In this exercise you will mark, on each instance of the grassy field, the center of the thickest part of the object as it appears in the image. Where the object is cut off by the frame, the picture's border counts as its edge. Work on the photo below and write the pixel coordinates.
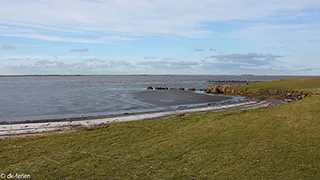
(280, 142)
(294, 83)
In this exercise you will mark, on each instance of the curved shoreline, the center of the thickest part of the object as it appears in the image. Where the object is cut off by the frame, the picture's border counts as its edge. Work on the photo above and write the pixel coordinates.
(71, 124)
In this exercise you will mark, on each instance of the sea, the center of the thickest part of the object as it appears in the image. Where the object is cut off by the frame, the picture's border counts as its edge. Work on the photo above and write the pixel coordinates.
(25, 98)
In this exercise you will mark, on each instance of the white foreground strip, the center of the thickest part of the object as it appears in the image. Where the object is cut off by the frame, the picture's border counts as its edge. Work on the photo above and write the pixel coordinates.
(42, 127)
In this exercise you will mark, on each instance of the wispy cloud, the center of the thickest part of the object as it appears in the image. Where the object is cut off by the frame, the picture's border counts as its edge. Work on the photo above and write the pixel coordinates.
(91, 66)
(166, 59)
(198, 50)
(8, 47)
(107, 21)
(150, 57)
(248, 60)
(55, 38)
(80, 50)
(237, 63)
(169, 64)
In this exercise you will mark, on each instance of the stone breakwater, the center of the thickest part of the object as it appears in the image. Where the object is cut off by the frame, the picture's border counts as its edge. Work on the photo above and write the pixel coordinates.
(283, 94)
(173, 89)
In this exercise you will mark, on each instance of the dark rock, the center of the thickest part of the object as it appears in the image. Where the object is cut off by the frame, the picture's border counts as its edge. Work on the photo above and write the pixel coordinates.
(215, 90)
(150, 88)
(162, 88)
(191, 89)
(181, 89)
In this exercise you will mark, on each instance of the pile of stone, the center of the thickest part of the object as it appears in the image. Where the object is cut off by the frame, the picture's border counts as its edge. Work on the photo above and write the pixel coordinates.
(220, 89)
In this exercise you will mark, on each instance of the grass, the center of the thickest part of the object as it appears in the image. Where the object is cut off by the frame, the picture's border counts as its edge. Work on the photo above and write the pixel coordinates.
(280, 142)
(291, 84)
(280, 89)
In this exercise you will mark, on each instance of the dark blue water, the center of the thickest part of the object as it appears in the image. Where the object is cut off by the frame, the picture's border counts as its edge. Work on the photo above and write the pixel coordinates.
(55, 97)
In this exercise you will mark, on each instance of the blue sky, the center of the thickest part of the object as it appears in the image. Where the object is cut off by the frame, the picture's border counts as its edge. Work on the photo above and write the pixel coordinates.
(272, 37)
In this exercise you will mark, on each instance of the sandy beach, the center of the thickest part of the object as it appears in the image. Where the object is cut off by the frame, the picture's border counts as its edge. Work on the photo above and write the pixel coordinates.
(64, 125)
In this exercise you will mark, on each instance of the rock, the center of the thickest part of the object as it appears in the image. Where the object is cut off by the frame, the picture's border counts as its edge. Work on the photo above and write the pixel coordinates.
(215, 90)
(225, 88)
(181, 89)
(150, 88)
(191, 89)
(173, 89)
(207, 90)
(161, 88)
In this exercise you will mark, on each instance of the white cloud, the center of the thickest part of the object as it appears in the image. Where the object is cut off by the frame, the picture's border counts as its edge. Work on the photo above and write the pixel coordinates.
(54, 38)
(8, 47)
(248, 60)
(80, 50)
(169, 64)
(279, 33)
(123, 20)
(252, 63)
(198, 50)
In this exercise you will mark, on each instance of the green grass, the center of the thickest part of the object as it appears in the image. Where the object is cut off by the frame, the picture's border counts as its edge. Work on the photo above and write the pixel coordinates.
(291, 84)
(279, 89)
(281, 142)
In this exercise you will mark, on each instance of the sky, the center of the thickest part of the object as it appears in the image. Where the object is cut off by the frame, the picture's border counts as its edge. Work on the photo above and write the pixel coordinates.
(270, 37)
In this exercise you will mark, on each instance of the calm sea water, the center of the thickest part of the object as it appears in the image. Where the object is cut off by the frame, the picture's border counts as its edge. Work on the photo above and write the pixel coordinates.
(55, 97)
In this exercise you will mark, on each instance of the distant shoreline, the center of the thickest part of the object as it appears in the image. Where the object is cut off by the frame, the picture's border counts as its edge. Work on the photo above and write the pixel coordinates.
(72, 75)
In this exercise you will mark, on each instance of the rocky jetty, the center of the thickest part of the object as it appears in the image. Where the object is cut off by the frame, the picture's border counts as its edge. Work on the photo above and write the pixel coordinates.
(177, 89)
(192, 89)
(219, 89)
(285, 95)
(172, 89)
(161, 88)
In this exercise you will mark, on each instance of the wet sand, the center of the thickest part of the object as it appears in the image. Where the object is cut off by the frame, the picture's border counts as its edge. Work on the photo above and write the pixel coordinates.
(174, 98)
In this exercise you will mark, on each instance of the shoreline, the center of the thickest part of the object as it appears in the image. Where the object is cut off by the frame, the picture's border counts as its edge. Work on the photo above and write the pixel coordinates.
(232, 100)
(68, 124)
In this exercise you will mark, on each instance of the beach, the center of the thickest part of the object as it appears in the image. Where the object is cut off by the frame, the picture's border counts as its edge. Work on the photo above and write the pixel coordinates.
(70, 124)
(68, 101)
